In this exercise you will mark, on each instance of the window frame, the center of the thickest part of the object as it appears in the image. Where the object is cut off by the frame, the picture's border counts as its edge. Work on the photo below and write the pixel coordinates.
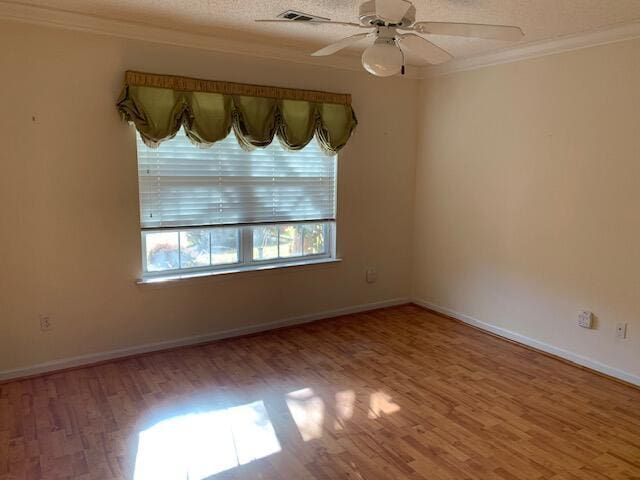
(245, 251)
(244, 243)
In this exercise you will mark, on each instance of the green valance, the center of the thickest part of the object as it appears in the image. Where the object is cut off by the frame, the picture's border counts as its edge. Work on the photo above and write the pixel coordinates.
(159, 105)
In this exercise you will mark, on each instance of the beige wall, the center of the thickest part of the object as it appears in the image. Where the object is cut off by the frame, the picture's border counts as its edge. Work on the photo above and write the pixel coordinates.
(528, 198)
(69, 201)
(527, 181)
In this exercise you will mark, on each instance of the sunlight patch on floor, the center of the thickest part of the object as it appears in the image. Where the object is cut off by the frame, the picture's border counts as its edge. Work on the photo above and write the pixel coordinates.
(198, 445)
(381, 404)
(307, 410)
(344, 407)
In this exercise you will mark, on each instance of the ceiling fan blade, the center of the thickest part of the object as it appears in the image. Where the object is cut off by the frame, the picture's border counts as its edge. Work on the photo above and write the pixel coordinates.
(313, 22)
(422, 47)
(490, 32)
(339, 45)
(392, 11)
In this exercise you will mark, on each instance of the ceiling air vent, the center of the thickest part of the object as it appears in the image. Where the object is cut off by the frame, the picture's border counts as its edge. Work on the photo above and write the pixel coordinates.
(300, 17)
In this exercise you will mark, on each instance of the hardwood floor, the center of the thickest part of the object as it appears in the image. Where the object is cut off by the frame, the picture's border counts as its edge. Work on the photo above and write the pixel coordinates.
(397, 393)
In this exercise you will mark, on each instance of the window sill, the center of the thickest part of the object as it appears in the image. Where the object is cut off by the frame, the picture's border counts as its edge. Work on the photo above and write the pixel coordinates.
(168, 279)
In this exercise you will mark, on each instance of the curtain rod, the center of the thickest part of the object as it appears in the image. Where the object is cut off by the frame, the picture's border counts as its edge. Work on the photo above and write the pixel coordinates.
(189, 84)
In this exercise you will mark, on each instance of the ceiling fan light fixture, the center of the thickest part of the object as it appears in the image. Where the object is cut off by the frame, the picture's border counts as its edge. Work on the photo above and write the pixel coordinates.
(383, 58)
(392, 23)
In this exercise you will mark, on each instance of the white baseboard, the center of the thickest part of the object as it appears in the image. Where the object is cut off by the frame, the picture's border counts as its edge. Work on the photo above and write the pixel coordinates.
(93, 358)
(538, 345)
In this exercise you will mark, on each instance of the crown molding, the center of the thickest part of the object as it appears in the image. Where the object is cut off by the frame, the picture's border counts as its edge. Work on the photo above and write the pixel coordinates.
(55, 18)
(592, 38)
(50, 17)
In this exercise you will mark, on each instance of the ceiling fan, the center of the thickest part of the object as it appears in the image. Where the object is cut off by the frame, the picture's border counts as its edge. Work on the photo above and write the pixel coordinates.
(391, 25)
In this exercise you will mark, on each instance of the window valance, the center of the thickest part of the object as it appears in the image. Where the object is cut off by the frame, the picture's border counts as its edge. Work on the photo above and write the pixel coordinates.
(159, 105)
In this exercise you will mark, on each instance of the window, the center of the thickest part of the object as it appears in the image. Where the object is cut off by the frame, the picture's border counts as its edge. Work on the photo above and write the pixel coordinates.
(221, 208)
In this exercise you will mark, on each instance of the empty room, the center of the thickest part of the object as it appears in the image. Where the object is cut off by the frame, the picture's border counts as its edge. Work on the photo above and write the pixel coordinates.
(320, 240)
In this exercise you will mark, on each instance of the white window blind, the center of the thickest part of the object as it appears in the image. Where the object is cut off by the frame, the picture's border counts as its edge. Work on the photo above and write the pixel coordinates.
(182, 185)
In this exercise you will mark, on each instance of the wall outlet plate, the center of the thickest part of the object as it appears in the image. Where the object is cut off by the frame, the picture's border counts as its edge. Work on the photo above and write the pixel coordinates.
(45, 322)
(372, 275)
(585, 319)
(621, 330)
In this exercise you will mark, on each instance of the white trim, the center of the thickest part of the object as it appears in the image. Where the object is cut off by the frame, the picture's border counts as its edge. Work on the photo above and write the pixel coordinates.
(592, 38)
(242, 268)
(197, 339)
(52, 17)
(538, 345)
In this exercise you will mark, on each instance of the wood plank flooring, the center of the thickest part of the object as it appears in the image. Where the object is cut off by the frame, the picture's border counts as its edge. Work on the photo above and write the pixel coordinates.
(398, 393)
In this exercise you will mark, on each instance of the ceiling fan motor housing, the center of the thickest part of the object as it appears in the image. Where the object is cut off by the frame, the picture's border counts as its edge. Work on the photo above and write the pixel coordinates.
(368, 15)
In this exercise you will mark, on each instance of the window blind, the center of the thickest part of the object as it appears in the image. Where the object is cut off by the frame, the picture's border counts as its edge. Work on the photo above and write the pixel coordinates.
(182, 185)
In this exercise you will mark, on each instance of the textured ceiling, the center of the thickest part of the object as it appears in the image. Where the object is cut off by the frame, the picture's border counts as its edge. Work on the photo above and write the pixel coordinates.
(540, 19)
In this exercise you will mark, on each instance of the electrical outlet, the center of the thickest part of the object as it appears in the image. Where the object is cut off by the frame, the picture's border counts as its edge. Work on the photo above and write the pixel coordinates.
(372, 275)
(621, 330)
(585, 319)
(45, 323)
